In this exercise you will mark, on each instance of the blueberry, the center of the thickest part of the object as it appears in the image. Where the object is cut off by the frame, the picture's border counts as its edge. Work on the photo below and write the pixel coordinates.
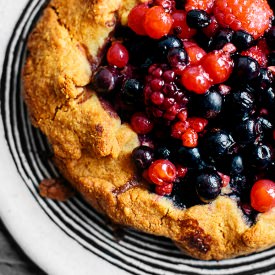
(105, 79)
(246, 131)
(237, 165)
(216, 144)
(132, 91)
(264, 123)
(197, 19)
(163, 152)
(165, 44)
(140, 49)
(238, 184)
(245, 69)
(208, 105)
(190, 157)
(259, 156)
(242, 40)
(221, 38)
(143, 156)
(270, 38)
(240, 103)
(267, 98)
(264, 80)
(177, 56)
(271, 59)
(208, 185)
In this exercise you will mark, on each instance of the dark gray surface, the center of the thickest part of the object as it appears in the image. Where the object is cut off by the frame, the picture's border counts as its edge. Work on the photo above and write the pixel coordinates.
(13, 261)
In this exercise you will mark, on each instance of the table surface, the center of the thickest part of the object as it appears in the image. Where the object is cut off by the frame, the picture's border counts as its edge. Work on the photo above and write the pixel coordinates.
(13, 261)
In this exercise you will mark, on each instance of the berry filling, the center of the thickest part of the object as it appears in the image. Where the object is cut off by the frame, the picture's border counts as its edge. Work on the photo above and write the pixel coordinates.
(196, 82)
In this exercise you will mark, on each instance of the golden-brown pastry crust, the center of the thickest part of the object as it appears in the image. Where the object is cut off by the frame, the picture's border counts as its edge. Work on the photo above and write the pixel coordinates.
(92, 148)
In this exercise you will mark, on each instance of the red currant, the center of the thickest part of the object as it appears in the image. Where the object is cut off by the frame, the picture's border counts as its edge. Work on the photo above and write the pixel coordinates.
(162, 171)
(136, 19)
(262, 195)
(163, 190)
(157, 22)
(181, 171)
(117, 55)
(195, 79)
(190, 138)
(141, 124)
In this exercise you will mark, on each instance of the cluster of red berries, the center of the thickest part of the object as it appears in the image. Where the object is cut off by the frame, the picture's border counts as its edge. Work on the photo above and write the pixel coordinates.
(163, 173)
(212, 68)
(188, 129)
(168, 83)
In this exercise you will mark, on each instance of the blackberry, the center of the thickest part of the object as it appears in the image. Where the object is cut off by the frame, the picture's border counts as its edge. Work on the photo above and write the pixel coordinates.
(163, 97)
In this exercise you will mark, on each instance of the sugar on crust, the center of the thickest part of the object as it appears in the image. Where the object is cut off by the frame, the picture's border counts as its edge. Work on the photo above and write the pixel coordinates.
(92, 148)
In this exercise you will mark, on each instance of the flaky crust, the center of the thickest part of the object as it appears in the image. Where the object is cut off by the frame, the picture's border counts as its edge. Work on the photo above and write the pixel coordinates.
(92, 148)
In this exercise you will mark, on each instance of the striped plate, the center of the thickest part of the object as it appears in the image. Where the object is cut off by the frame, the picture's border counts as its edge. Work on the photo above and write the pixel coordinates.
(71, 238)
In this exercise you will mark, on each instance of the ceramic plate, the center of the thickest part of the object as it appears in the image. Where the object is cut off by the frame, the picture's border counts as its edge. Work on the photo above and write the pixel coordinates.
(71, 238)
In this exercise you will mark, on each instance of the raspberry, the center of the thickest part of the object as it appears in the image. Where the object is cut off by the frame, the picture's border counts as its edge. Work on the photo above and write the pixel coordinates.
(136, 19)
(157, 22)
(117, 55)
(190, 138)
(168, 5)
(179, 128)
(196, 79)
(180, 27)
(194, 52)
(197, 123)
(163, 98)
(206, 5)
(251, 16)
(212, 29)
(218, 65)
(258, 53)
